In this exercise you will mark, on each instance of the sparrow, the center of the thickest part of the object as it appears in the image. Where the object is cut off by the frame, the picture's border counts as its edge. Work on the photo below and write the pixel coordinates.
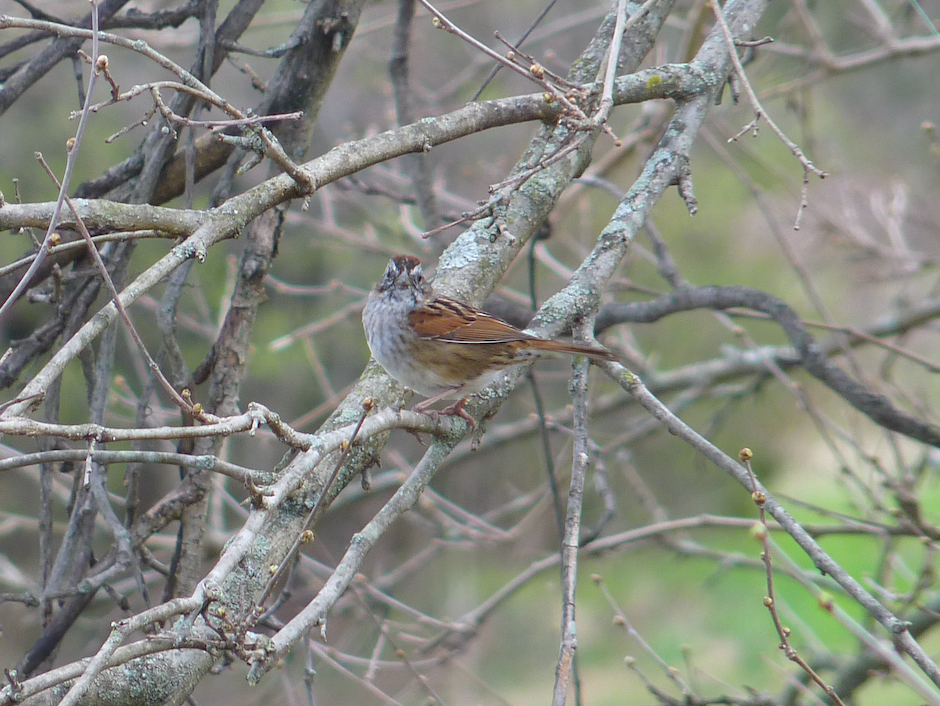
(442, 348)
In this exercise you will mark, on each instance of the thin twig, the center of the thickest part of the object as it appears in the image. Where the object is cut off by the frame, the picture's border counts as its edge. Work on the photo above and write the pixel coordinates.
(895, 626)
(204, 462)
(770, 601)
(65, 247)
(571, 541)
(305, 536)
(73, 149)
(184, 404)
(535, 72)
(755, 102)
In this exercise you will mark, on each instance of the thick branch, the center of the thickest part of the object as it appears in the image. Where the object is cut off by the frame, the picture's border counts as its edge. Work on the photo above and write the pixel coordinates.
(875, 406)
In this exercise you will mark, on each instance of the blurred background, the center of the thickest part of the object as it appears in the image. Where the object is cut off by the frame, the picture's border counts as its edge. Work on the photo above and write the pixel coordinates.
(844, 79)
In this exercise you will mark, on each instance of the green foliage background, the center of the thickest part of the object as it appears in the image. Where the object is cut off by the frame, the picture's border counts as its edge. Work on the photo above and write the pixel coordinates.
(703, 616)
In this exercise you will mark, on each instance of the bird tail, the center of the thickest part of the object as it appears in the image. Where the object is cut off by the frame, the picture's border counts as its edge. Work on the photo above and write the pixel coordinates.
(575, 349)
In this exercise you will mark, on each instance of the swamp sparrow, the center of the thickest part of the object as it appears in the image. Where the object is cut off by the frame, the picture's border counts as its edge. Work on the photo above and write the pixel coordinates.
(441, 347)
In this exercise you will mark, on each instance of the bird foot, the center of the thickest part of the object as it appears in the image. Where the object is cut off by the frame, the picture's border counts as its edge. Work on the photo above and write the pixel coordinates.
(457, 409)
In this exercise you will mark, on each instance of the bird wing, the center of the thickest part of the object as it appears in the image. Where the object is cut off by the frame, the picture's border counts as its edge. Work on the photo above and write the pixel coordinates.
(444, 319)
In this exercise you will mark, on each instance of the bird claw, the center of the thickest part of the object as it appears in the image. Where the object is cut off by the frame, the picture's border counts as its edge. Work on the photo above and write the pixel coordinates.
(457, 409)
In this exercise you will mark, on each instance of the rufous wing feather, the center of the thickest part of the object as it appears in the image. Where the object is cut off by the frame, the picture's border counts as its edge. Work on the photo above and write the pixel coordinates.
(448, 320)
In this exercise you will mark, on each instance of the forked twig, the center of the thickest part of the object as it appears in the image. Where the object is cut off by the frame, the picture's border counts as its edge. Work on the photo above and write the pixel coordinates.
(184, 404)
(305, 536)
(759, 111)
